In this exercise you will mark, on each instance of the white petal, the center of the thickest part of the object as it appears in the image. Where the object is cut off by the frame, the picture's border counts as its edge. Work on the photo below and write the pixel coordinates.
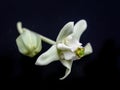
(21, 46)
(48, 57)
(68, 55)
(68, 65)
(88, 49)
(29, 39)
(65, 31)
(79, 28)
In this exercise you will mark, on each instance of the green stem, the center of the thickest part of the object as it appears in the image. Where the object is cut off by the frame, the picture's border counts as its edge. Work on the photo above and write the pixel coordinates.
(19, 27)
(47, 40)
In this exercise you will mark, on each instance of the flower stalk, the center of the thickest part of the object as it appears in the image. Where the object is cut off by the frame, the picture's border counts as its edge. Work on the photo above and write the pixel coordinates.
(47, 40)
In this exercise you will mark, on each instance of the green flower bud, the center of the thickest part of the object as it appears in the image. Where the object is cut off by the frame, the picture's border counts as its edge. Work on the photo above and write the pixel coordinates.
(29, 43)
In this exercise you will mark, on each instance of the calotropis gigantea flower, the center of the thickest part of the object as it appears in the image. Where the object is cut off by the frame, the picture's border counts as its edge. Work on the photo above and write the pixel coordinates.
(67, 47)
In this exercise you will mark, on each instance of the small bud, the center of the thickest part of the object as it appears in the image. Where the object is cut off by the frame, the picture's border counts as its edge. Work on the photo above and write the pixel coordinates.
(29, 43)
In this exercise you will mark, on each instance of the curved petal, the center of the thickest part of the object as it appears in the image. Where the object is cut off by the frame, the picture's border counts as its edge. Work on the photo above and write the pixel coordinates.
(68, 55)
(65, 31)
(88, 49)
(79, 28)
(21, 47)
(29, 39)
(68, 65)
(48, 57)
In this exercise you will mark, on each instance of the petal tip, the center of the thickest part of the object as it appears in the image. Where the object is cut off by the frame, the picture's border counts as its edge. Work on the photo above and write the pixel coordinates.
(40, 62)
(83, 22)
(88, 49)
(36, 63)
(61, 78)
(70, 24)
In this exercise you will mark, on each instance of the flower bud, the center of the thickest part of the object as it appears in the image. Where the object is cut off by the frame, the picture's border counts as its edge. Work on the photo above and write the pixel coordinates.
(29, 43)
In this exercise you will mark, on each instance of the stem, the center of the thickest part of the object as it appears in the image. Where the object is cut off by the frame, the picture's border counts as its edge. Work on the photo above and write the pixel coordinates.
(47, 40)
(21, 30)
(19, 27)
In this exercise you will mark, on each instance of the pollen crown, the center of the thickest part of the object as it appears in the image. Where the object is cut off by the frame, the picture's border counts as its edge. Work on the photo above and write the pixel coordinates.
(80, 52)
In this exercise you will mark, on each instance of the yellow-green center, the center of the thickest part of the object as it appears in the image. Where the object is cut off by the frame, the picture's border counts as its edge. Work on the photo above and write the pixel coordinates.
(80, 52)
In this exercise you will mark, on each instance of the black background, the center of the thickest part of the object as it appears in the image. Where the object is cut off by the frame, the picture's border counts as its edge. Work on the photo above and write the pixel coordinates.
(47, 17)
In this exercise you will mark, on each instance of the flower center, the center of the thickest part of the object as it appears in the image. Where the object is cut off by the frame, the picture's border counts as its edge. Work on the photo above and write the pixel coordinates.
(80, 52)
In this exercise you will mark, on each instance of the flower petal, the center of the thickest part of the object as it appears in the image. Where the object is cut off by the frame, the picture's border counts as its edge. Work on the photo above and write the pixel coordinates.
(21, 46)
(68, 55)
(88, 49)
(68, 65)
(29, 38)
(79, 28)
(65, 31)
(48, 57)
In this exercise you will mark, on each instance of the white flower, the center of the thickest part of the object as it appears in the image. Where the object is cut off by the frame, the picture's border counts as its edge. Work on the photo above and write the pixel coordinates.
(67, 47)
(28, 42)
